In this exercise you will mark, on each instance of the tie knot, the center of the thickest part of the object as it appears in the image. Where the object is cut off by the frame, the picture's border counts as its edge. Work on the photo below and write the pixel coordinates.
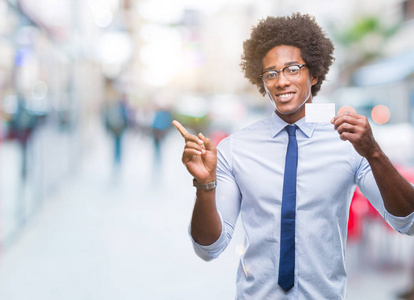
(291, 129)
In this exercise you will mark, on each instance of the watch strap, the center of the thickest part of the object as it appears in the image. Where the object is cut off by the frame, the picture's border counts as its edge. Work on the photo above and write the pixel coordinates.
(205, 186)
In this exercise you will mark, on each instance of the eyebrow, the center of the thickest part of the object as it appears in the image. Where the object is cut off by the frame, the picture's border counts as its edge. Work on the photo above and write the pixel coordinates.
(286, 64)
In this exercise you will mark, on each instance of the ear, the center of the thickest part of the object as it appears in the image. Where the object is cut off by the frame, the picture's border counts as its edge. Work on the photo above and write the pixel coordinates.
(314, 80)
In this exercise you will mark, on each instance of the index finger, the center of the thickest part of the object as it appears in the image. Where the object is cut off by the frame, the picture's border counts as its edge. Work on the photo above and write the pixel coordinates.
(180, 128)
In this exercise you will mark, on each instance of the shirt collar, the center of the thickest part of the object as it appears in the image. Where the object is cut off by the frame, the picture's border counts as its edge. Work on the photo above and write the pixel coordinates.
(277, 125)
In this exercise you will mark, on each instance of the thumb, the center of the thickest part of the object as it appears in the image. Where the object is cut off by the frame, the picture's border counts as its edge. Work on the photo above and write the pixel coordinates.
(207, 142)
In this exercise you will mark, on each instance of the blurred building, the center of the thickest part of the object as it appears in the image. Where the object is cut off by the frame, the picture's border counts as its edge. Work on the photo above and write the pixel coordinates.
(381, 73)
(51, 83)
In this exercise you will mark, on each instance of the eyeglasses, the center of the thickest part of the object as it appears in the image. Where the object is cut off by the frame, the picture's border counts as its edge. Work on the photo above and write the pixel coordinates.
(291, 73)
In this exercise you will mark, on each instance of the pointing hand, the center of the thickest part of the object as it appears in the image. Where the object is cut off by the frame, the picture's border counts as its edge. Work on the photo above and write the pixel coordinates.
(199, 156)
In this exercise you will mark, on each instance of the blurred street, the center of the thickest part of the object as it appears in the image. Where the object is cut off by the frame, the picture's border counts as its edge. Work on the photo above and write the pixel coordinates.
(122, 234)
(94, 200)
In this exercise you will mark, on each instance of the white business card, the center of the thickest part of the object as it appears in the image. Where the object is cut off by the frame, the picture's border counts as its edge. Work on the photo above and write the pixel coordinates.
(319, 112)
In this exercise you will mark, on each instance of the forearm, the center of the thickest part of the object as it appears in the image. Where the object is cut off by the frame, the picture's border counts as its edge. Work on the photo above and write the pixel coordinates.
(205, 223)
(397, 193)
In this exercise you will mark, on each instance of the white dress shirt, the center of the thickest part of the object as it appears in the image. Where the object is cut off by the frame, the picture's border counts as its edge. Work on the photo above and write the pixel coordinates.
(250, 171)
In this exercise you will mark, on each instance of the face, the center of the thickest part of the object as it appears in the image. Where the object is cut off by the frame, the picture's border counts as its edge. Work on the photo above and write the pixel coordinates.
(289, 96)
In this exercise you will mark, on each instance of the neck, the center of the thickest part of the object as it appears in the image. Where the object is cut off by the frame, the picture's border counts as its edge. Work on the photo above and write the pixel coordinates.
(290, 118)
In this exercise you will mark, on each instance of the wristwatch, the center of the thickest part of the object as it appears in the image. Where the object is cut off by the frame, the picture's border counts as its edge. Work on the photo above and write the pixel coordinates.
(205, 186)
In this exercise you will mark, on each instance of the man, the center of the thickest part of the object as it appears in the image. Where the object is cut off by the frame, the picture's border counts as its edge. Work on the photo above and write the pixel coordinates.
(291, 181)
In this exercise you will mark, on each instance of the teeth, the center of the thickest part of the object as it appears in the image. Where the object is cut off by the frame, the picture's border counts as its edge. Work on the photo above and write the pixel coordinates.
(285, 95)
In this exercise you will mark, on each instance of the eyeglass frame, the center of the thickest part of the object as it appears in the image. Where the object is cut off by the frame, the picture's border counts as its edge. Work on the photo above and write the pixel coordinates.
(282, 71)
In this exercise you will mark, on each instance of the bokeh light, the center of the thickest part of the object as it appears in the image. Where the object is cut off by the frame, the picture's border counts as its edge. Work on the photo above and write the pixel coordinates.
(346, 108)
(380, 114)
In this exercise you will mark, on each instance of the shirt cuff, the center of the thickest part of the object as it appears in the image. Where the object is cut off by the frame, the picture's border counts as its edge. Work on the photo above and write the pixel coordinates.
(404, 225)
(212, 251)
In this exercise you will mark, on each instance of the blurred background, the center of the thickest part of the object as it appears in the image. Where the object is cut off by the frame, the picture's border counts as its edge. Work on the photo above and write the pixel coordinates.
(94, 200)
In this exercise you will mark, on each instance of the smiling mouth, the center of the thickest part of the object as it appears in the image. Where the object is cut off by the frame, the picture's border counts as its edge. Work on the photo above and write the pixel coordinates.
(285, 96)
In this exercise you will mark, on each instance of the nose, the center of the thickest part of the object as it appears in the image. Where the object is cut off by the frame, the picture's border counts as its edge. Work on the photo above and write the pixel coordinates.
(283, 81)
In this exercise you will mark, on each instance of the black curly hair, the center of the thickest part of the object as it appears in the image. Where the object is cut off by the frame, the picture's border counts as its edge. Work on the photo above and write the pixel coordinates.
(298, 30)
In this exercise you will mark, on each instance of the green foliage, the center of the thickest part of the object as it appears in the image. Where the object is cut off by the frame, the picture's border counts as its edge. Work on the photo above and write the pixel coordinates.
(364, 26)
(362, 40)
(197, 124)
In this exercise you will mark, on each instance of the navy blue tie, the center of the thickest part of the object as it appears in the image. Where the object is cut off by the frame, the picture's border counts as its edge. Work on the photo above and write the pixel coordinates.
(287, 231)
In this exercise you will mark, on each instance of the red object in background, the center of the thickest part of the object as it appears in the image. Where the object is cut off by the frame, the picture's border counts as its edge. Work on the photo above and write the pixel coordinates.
(217, 135)
(357, 212)
(361, 208)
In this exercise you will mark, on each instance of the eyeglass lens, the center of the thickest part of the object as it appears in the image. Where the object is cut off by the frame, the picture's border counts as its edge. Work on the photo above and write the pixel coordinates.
(290, 72)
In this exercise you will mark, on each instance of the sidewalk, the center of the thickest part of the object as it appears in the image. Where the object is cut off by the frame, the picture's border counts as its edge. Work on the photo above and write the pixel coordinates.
(123, 235)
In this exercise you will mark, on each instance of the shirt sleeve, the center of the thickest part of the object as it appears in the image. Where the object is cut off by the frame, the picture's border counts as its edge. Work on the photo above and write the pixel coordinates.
(368, 186)
(228, 200)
